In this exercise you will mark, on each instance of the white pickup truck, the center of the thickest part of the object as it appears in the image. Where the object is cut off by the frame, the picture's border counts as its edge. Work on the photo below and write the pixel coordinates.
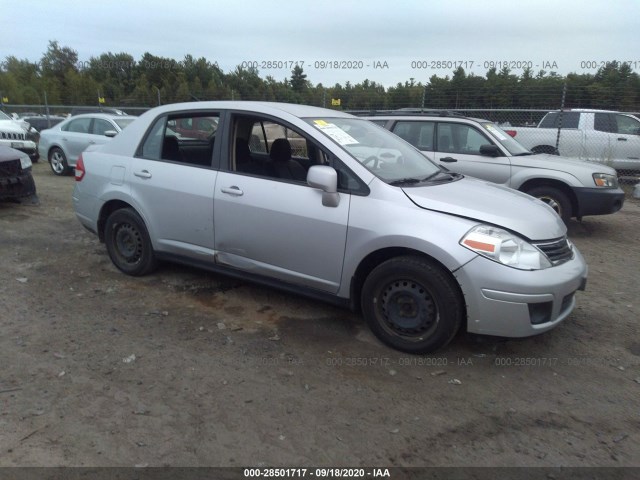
(602, 136)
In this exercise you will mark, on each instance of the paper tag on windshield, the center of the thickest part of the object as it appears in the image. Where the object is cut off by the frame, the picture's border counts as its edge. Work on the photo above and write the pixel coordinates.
(336, 133)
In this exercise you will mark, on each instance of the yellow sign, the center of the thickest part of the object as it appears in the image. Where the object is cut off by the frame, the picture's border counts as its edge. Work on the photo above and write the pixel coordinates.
(5, 99)
(100, 99)
(335, 102)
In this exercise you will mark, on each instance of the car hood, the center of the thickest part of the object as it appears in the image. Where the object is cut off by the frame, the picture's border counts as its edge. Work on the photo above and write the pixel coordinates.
(557, 162)
(11, 126)
(491, 203)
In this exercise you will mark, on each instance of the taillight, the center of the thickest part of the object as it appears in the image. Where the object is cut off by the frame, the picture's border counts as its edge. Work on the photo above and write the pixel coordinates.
(513, 133)
(80, 169)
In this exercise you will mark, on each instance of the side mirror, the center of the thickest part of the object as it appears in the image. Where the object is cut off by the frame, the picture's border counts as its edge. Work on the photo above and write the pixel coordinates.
(110, 133)
(326, 179)
(490, 150)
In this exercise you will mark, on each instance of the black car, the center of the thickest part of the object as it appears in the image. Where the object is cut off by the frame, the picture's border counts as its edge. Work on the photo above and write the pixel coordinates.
(39, 123)
(16, 180)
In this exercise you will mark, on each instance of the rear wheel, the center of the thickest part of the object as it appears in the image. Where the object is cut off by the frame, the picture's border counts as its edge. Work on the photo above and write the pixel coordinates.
(58, 162)
(412, 304)
(128, 243)
(555, 198)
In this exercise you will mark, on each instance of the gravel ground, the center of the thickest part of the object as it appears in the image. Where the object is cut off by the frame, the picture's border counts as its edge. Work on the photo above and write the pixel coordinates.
(185, 368)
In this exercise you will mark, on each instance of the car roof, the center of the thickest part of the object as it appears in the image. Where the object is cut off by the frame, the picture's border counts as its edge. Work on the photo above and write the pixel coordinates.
(275, 108)
(106, 116)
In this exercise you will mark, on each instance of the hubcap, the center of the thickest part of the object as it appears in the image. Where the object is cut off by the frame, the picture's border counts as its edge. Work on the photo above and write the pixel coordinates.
(128, 243)
(552, 203)
(57, 162)
(408, 309)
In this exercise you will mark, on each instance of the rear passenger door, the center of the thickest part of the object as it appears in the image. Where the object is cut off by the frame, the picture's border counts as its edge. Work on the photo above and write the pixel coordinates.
(172, 180)
(274, 226)
(76, 137)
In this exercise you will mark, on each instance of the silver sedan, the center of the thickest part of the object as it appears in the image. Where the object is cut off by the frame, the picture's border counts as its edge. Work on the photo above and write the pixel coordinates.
(63, 143)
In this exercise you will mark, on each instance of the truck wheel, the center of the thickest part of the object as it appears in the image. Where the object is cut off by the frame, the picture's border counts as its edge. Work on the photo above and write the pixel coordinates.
(412, 305)
(58, 162)
(555, 198)
(128, 243)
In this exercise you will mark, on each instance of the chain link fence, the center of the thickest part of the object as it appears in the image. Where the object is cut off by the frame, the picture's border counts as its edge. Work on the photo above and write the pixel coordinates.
(611, 138)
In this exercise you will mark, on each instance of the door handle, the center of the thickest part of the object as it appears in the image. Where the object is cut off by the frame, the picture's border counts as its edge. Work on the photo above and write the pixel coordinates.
(142, 174)
(233, 191)
(622, 139)
(448, 159)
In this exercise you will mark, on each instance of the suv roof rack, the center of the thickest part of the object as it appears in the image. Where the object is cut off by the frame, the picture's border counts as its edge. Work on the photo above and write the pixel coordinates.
(408, 112)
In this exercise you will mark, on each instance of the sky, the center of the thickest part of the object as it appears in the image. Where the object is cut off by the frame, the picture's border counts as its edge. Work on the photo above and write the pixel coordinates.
(336, 41)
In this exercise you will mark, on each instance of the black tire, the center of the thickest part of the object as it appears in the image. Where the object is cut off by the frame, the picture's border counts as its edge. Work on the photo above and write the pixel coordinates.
(128, 243)
(556, 199)
(58, 162)
(412, 304)
(545, 149)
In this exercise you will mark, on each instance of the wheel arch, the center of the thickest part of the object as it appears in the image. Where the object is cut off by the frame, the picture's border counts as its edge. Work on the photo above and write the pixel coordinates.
(375, 258)
(107, 209)
(550, 182)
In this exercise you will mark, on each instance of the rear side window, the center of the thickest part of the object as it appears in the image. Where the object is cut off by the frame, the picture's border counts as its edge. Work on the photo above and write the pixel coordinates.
(569, 120)
(186, 138)
(80, 125)
(418, 134)
(602, 122)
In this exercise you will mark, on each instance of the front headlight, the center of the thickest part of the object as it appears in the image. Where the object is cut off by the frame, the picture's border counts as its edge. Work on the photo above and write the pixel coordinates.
(25, 162)
(504, 247)
(605, 180)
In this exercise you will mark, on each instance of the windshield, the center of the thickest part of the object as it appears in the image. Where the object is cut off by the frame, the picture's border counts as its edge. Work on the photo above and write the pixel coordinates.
(4, 116)
(123, 122)
(504, 139)
(383, 153)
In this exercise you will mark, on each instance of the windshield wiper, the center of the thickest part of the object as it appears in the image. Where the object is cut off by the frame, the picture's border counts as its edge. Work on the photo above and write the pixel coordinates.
(524, 154)
(404, 180)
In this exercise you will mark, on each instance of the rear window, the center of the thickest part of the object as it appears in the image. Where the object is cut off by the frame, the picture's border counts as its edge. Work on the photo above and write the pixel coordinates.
(552, 119)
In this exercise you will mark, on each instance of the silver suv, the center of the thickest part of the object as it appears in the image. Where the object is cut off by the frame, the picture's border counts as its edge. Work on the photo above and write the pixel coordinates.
(353, 215)
(479, 148)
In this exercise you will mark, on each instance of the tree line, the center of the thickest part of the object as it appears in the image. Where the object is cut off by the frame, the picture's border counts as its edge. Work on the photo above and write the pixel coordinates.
(122, 81)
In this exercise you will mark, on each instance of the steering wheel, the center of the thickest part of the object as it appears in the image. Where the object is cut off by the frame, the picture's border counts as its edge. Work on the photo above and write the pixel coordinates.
(372, 159)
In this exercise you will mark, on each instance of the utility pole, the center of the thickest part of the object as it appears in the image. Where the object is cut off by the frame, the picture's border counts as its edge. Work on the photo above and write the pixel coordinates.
(564, 93)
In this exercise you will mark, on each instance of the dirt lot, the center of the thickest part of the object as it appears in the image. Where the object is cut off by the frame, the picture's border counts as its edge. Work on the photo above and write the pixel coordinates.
(185, 368)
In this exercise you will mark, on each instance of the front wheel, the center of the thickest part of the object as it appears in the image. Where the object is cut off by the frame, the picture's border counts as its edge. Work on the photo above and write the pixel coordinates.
(412, 304)
(128, 243)
(556, 199)
(58, 162)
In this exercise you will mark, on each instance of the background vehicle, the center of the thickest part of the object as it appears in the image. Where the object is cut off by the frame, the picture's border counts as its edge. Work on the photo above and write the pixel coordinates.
(106, 110)
(37, 123)
(16, 180)
(479, 148)
(62, 144)
(421, 251)
(13, 134)
(609, 137)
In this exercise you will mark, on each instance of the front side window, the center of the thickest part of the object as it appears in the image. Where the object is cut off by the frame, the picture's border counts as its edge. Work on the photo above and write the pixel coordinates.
(380, 151)
(100, 126)
(627, 125)
(460, 138)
